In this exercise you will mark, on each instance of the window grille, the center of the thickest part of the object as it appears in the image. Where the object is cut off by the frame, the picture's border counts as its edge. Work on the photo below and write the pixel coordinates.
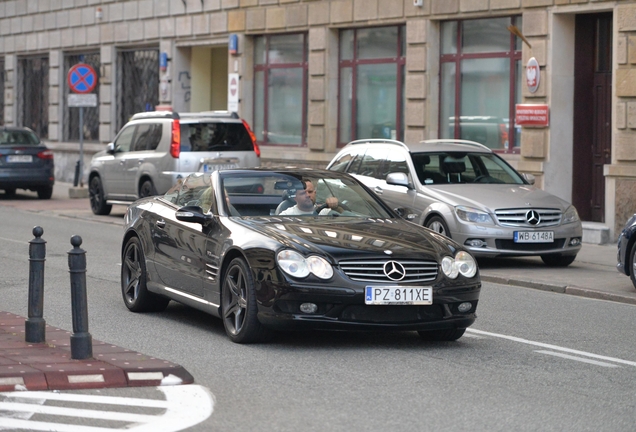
(33, 94)
(137, 83)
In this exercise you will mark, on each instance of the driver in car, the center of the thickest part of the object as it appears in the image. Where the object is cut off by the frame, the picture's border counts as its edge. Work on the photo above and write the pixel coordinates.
(306, 202)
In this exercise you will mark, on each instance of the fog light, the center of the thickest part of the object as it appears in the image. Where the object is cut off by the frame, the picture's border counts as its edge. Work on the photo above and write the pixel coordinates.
(575, 241)
(464, 307)
(475, 242)
(310, 308)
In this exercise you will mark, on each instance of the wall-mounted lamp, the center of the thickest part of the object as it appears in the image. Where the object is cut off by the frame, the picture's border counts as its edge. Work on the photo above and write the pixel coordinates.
(99, 14)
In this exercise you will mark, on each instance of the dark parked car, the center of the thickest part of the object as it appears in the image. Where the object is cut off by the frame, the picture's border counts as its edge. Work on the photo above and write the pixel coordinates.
(627, 250)
(25, 162)
(215, 243)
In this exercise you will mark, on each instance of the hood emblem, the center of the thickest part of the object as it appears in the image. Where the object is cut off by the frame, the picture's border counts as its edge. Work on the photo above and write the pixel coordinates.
(394, 270)
(533, 217)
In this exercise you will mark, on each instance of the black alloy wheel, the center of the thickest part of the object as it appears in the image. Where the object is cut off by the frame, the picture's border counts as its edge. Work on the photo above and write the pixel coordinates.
(238, 305)
(45, 192)
(147, 189)
(632, 264)
(96, 197)
(438, 225)
(442, 335)
(136, 296)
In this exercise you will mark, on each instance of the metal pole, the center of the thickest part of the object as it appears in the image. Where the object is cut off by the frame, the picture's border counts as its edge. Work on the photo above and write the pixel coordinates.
(81, 138)
(35, 325)
(81, 339)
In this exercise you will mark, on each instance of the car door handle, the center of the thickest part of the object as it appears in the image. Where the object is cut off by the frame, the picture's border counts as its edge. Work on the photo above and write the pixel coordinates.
(378, 190)
(160, 223)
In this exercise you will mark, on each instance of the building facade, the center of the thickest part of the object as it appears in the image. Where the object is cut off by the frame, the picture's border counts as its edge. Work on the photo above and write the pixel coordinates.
(311, 75)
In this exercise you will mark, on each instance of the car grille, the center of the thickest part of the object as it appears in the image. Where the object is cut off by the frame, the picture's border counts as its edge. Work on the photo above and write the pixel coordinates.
(391, 314)
(511, 245)
(520, 217)
(373, 271)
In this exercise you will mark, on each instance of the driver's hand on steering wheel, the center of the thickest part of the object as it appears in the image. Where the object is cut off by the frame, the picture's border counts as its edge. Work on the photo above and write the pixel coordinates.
(332, 203)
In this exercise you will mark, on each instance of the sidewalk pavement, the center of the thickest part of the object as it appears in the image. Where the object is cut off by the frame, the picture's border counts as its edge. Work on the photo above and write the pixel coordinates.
(49, 365)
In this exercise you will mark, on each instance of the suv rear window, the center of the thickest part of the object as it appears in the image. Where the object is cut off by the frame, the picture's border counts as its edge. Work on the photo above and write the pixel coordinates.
(205, 137)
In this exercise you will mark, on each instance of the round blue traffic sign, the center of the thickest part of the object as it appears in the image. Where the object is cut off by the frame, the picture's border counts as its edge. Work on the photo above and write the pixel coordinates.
(82, 78)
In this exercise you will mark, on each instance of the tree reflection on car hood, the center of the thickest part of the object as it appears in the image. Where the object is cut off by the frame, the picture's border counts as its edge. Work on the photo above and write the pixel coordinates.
(344, 236)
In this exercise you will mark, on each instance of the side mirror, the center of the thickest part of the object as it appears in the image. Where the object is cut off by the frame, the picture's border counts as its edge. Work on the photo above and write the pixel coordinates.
(110, 148)
(398, 179)
(404, 213)
(528, 177)
(192, 214)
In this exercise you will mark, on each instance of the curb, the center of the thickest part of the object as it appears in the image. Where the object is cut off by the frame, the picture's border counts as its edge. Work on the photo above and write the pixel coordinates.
(562, 289)
(49, 366)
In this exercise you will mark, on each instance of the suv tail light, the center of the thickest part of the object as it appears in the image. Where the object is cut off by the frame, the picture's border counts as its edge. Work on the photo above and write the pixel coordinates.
(257, 150)
(175, 140)
(45, 154)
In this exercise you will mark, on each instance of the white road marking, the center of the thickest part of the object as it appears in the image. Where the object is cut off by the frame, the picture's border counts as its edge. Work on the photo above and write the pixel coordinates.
(15, 241)
(581, 359)
(553, 347)
(185, 406)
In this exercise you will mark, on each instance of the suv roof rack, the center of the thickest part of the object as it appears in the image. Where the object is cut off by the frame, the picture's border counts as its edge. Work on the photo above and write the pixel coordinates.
(452, 140)
(217, 113)
(379, 141)
(155, 114)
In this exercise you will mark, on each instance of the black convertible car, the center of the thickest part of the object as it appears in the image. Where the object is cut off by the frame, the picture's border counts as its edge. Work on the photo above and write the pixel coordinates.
(221, 243)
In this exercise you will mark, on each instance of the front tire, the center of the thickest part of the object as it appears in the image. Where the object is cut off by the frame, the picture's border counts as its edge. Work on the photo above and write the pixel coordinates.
(442, 335)
(238, 305)
(97, 198)
(558, 260)
(438, 225)
(136, 296)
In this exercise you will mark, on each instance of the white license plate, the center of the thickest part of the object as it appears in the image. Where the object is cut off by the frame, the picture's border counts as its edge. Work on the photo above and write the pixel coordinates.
(384, 295)
(19, 158)
(214, 167)
(534, 236)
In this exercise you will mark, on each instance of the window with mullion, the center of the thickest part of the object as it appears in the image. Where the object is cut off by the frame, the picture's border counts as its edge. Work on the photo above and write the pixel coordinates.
(480, 67)
(280, 89)
(371, 83)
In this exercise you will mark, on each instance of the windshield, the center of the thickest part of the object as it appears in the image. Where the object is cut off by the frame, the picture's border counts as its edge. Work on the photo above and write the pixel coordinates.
(298, 195)
(462, 167)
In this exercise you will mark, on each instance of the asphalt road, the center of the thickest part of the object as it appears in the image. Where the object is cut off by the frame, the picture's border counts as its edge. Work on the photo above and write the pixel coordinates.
(534, 360)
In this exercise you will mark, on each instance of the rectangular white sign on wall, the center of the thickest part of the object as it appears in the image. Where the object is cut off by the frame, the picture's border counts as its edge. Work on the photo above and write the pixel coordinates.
(232, 92)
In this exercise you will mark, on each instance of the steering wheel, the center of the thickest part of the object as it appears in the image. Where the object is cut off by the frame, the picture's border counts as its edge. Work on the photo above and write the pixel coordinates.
(321, 207)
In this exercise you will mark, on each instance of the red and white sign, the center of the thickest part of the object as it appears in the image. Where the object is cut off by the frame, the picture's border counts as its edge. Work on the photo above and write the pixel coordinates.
(533, 75)
(233, 92)
(532, 115)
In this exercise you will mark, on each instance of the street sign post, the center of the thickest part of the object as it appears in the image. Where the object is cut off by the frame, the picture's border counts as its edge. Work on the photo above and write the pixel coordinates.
(82, 80)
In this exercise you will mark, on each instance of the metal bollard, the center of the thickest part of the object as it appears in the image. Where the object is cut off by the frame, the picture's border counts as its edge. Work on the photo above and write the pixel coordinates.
(81, 340)
(35, 325)
(76, 179)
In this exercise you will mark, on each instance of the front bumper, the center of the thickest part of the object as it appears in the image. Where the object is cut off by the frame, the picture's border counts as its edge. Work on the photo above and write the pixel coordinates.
(499, 241)
(344, 309)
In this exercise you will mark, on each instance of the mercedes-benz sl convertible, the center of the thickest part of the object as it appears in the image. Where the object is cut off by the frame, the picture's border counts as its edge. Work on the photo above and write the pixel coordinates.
(268, 250)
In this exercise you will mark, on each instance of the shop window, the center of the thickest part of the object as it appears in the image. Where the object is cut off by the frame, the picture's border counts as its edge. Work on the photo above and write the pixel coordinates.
(280, 89)
(371, 83)
(481, 73)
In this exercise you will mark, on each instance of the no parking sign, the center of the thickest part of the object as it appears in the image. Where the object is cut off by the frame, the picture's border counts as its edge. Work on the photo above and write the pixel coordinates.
(82, 78)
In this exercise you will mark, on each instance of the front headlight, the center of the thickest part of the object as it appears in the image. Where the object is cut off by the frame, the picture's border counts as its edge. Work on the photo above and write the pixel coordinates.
(463, 264)
(570, 215)
(294, 264)
(469, 214)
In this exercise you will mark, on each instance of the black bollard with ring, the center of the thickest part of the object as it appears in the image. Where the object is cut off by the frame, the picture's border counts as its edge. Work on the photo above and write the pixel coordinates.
(35, 325)
(81, 340)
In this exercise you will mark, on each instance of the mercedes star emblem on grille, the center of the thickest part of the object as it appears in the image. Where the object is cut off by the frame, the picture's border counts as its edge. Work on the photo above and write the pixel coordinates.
(394, 270)
(533, 217)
